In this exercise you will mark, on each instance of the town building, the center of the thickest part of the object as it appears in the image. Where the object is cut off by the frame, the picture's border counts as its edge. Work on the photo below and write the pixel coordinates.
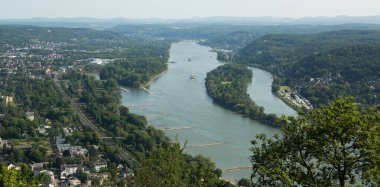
(67, 170)
(29, 115)
(100, 164)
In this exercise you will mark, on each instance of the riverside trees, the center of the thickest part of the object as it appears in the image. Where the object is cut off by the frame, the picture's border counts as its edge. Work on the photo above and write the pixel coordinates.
(169, 166)
(227, 85)
(331, 146)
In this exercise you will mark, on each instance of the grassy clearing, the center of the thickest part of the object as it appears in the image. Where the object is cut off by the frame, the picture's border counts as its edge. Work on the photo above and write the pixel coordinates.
(226, 82)
(24, 142)
(285, 88)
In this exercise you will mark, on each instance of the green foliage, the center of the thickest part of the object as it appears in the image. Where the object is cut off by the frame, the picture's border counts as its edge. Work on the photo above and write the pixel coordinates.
(38, 153)
(168, 166)
(39, 96)
(227, 85)
(353, 70)
(321, 67)
(82, 176)
(14, 178)
(244, 182)
(134, 72)
(102, 102)
(226, 36)
(164, 167)
(334, 145)
(277, 49)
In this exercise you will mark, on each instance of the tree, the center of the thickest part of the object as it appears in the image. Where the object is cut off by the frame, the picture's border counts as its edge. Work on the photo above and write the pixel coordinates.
(170, 167)
(82, 176)
(164, 167)
(95, 182)
(13, 178)
(202, 172)
(37, 153)
(66, 153)
(331, 146)
(244, 182)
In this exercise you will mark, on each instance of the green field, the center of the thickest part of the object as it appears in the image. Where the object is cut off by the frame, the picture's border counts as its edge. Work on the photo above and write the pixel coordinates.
(285, 88)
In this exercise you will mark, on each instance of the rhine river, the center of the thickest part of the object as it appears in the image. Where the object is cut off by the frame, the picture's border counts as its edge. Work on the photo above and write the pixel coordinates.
(182, 107)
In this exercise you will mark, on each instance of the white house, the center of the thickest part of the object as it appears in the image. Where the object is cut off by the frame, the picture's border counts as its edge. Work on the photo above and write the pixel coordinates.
(100, 164)
(67, 170)
(29, 115)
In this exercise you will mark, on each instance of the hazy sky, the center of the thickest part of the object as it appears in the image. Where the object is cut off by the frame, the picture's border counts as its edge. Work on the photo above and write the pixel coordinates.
(185, 8)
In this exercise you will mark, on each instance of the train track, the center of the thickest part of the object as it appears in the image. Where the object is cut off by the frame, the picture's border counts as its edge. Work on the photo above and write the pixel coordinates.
(96, 128)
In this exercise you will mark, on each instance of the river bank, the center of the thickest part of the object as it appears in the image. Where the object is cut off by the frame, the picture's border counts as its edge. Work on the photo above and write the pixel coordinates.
(146, 86)
(185, 104)
(297, 103)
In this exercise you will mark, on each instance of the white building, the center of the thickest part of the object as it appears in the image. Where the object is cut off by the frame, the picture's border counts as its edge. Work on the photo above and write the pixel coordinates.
(29, 115)
(67, 170)
(99, 165)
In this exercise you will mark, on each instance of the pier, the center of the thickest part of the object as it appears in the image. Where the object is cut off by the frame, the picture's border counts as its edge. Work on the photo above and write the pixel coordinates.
(205, 145)
(155, 116)
(141, 107)
(175, 128)
(149, 92)
(236, 169)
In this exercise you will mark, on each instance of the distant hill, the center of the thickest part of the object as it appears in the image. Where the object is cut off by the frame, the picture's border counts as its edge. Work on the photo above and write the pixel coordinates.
(13, 34)
(243, 35)
(352, 70)
(278, 49)
(320, 66)
(107, 23)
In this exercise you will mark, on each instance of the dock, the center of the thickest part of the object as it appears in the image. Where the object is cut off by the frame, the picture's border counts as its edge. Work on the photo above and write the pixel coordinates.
(149, 92)
(236, 169)
(205, 145)
(175, 128)
(124, 89)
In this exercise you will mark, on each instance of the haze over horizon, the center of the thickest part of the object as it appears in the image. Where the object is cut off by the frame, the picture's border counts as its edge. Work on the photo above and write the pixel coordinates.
(174, 9)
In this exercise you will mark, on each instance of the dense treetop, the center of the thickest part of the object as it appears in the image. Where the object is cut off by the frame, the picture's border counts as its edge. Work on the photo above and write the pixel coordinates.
(353, 70)
(336, 145)
(227, 85)
(286, 48)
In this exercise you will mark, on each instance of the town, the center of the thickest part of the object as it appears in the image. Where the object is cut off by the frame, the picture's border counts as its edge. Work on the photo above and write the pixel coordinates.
(61, 150)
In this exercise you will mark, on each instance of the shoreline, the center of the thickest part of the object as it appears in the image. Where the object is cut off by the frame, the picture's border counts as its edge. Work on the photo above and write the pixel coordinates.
(298, 104)
(287, 102)
(146, 86)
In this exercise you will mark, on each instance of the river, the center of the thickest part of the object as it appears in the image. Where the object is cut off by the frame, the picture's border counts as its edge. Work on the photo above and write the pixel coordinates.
(182, 105)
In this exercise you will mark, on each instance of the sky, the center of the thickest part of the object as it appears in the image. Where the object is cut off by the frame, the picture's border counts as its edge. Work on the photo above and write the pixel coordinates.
(179, 9)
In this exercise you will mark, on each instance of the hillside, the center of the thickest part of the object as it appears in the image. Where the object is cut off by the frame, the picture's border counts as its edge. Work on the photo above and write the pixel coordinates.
(52, 34)
(321, 78)
(270, 50)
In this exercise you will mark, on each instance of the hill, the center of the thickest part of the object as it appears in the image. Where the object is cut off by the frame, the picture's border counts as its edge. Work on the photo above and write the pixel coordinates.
(246, 34)
(270, 51)
(321, 78)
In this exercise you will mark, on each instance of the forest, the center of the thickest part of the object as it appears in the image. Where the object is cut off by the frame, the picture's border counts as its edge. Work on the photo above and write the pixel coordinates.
(322, 66)
(227, 85)
(230, 36)
(139, 65)
(334, 145)
(277, 49)
(347, 71)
